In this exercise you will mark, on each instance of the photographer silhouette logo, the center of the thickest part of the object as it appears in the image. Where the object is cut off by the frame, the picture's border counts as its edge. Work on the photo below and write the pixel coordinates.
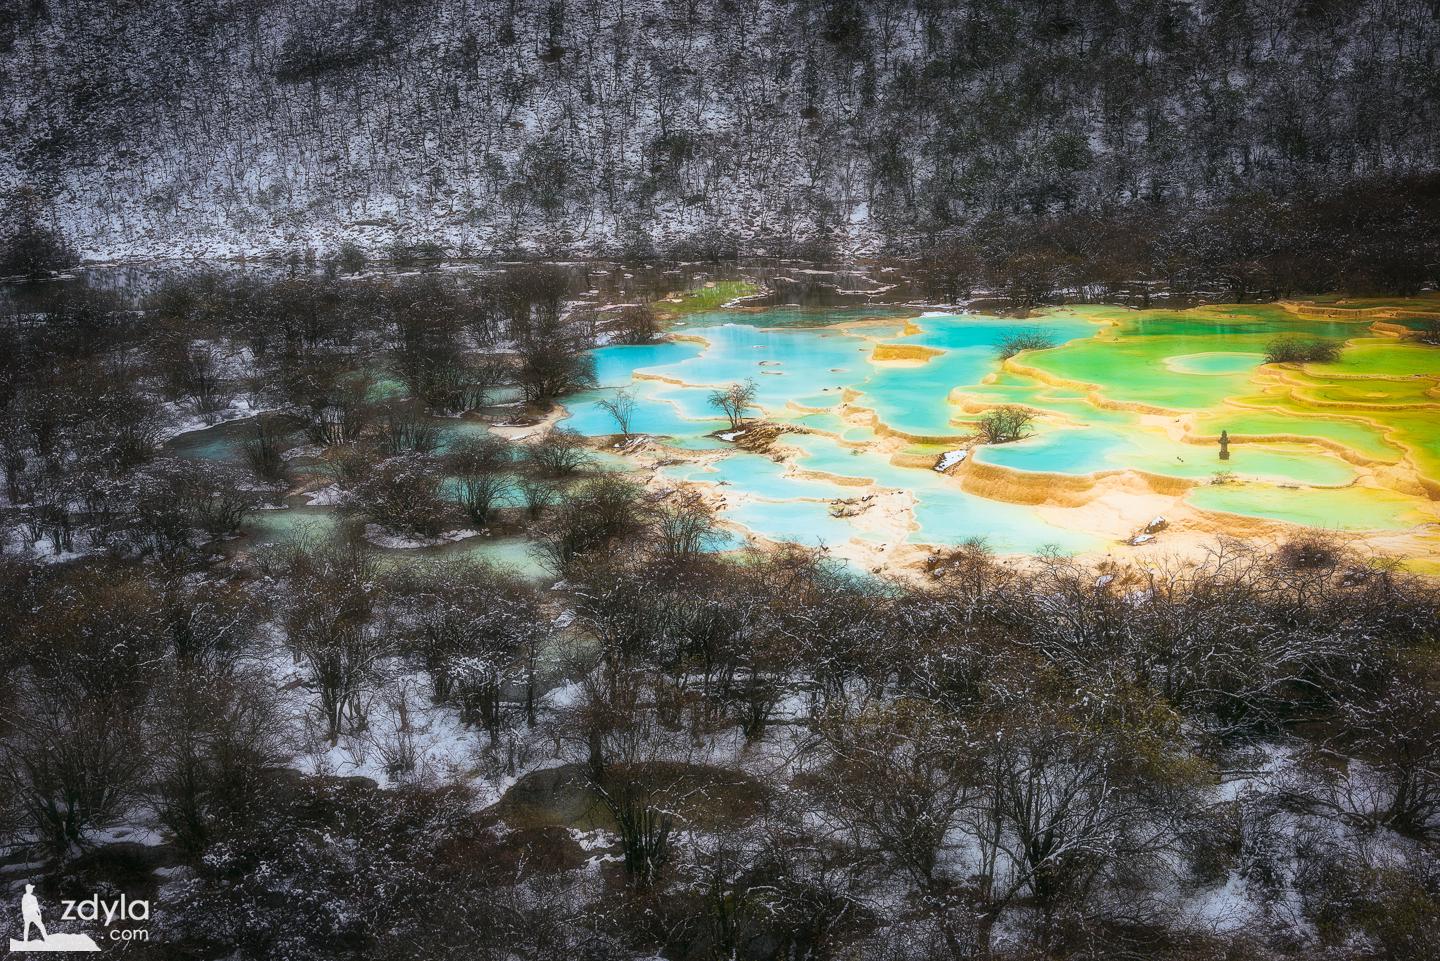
(30, 912)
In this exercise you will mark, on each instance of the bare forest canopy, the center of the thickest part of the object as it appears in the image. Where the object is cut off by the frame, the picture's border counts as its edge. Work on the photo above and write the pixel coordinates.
(340, 740)
(1021, 128)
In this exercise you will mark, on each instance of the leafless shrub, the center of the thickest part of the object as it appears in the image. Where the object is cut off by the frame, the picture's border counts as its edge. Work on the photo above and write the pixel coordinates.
(1005, 424)
(1298, 350)
(1021, 340)
(560, 453)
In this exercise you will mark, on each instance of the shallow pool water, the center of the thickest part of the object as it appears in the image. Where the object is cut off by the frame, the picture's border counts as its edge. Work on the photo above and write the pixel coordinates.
(657, 411)
(760, 476)
(223, 442)
(949, 516)
(796, 522)
(1346, 509)
(296, 524)
(515, 555)
(1089, 450)
(944, 513)
(1215, 362)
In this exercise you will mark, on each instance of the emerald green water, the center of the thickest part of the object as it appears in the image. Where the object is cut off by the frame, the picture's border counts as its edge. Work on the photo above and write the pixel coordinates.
(1215, 362)
(1347, 509)
(1366, 439)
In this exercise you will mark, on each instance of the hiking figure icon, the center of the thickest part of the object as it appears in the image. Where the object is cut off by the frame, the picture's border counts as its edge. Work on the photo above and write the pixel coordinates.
(30, 910)
(30, 913)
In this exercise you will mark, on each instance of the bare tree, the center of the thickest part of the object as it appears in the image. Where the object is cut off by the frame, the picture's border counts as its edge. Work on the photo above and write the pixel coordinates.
(1070, 793)
(14, 454)
(331, 629)
(476, 634)
(405, 428)
(559, 453)
(635, 324)
(602, 514)
(75, 765)
(481, 468)
(552, 366)
(214, 739)
(196, 371)
(632, 769)
(28, 247)
(539, 495)
(901, 774)
(685, 527)
(404, 494)
(734, 401)
(621, 408)
(265, 449)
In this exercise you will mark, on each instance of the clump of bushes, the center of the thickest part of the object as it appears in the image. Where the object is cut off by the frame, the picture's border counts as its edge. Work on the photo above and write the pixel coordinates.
(596, 517)
(1020, 340)
(635, 324)
(264, 450)
(404, 495)
(1005, 424)
(1299, 350)
(1309, 551)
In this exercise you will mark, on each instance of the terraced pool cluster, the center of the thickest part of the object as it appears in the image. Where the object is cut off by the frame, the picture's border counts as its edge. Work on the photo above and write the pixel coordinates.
(1129, 407)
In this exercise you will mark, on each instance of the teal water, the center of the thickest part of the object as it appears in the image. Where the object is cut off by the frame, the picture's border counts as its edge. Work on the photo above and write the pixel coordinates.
(945, 514)
(224, 443)
(796, 522)
(798, 369)
(455, 429)
(760, 476)
(297, 524)
(785, 364)
(1088, 450)
(615, 364)
(949, 516)
(656, 412)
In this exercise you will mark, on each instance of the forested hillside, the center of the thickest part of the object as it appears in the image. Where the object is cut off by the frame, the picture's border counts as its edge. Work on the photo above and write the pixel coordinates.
(213, 127)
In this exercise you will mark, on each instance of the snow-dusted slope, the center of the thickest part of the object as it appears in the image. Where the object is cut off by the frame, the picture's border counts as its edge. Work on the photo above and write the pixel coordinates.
(204, 127)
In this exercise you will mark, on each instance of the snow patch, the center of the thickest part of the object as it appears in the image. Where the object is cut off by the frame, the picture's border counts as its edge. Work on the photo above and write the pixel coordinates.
(949, 459)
